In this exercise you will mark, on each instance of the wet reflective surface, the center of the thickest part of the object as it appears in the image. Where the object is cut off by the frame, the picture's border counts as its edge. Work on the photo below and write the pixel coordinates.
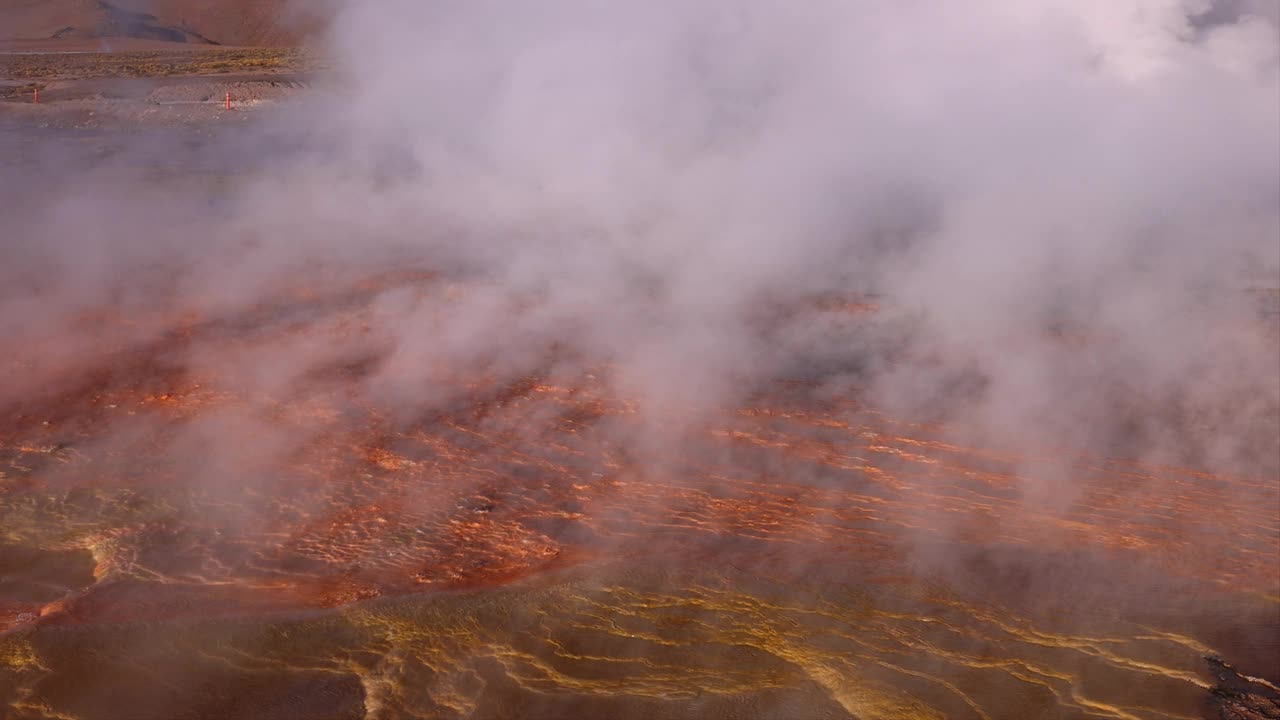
(511, 554)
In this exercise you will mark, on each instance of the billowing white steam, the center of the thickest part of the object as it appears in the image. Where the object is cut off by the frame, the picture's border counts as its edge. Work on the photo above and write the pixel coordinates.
(1061, 203)
(1019, 175)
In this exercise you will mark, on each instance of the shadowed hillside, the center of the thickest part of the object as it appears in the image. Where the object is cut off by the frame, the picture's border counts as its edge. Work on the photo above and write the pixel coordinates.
(58, 23)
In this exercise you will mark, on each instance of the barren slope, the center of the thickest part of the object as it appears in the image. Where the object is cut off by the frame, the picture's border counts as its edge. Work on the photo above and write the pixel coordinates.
(68, 24)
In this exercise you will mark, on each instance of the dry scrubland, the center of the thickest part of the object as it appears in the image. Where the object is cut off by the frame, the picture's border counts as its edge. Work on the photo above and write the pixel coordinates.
(149, 87)
(37, 68)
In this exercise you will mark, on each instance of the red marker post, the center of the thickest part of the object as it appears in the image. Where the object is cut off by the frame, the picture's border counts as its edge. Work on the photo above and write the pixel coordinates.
(37, 95)
(228, 99)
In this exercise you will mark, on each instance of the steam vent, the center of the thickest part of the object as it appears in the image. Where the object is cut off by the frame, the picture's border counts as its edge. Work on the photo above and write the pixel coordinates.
(749, 360)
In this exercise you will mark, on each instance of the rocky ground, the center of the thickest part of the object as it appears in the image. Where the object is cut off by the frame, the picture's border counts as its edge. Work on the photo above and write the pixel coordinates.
(1240, 697)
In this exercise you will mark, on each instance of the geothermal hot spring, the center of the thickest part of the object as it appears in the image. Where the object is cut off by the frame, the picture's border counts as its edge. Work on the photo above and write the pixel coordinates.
(698, 360)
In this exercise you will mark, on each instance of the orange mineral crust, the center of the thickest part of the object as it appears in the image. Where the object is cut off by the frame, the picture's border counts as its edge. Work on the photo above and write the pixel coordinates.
(533, 538)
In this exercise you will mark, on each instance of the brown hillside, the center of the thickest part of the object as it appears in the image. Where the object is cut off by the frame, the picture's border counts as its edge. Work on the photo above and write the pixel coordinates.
(203, 22)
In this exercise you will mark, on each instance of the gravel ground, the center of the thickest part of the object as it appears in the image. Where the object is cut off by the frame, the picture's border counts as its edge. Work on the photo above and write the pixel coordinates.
(88, 104)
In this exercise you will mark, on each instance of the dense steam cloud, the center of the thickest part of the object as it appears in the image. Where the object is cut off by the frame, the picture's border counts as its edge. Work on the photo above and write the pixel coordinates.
(1059, 207)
